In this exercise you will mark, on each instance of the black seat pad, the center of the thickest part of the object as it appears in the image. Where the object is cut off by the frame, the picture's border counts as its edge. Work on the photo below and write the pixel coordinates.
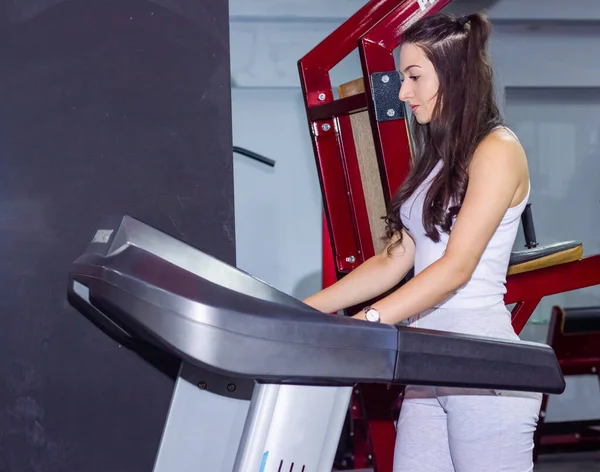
(528, 255)
(582, 320)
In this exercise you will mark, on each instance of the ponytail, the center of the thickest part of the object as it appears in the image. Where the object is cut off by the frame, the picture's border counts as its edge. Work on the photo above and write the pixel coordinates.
(479, 30)
(477, 73)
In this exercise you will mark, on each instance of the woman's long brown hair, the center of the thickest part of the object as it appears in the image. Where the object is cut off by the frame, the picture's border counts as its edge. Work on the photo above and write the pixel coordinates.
(465, 112)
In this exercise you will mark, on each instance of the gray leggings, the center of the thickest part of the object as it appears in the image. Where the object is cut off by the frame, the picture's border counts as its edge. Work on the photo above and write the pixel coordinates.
(465, 430)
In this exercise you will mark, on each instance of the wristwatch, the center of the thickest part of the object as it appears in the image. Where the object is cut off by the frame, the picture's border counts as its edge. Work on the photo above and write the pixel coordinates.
(371, 314)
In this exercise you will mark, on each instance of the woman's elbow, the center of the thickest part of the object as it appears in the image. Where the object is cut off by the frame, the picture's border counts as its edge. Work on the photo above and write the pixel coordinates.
(459, 272)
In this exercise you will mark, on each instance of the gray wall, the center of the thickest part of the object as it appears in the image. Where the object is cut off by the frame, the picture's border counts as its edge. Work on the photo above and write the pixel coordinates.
(548, 86)
(277, 210)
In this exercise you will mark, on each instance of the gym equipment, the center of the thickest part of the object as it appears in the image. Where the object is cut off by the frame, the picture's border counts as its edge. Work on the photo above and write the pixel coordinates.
(265, 380)
(574, 334)
(363, 151)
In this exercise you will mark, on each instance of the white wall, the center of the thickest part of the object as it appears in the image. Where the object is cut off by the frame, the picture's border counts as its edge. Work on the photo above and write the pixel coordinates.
(268, 37)
(277, 209)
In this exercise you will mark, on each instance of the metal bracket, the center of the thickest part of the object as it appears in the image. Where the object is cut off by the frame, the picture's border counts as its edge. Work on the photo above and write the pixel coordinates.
(385, 87)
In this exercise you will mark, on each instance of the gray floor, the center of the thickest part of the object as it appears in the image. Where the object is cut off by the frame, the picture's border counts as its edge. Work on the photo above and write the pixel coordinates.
(569, 463)
(566, 463)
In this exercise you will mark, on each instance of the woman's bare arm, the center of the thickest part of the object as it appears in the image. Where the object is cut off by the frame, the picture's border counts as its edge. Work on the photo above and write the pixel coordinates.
(498, 179)
(373, 277)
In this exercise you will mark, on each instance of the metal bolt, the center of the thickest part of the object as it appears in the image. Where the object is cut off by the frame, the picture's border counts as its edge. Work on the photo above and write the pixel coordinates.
(202, 385)
(391, 112)
(231, 387)
(326, 127)
(351, 259)
(321, 96)
(385, 79)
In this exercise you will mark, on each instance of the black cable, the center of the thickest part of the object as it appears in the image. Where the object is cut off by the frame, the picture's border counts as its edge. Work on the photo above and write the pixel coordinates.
(254, 155)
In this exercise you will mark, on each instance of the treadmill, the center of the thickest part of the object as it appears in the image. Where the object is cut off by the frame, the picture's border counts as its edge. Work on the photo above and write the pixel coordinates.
(263, 380)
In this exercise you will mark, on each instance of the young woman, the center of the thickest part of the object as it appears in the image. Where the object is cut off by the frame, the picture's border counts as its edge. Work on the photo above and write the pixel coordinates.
(454, 220)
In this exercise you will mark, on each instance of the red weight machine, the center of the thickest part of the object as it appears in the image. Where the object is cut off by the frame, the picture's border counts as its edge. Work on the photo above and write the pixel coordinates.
(574, 334)
(363, 152)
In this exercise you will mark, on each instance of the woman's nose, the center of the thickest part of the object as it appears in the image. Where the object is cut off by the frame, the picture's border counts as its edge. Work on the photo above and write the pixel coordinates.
(404, 92)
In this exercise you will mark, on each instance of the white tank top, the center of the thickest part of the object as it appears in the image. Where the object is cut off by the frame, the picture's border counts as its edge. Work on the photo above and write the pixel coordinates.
(486, 286)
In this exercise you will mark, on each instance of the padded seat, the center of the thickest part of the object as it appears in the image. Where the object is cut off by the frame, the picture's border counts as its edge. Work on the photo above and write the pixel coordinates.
(581, 320)
(545, 256)
(574, 334)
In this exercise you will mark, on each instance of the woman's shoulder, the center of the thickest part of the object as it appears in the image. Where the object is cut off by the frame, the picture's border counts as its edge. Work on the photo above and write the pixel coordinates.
(500, 147)
(503, 132)
(501, 157)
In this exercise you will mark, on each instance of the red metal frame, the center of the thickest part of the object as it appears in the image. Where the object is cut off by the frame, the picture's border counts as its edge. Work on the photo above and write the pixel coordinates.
(344, 210)
(577, 354)
(329, 275)
(376, 30)
(528, 288)
(391, 138)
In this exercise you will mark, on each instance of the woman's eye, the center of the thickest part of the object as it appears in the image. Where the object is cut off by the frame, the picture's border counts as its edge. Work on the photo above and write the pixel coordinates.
(414, 77)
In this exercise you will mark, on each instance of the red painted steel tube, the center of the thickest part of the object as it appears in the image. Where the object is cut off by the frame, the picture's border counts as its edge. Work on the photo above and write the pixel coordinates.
(522, 312)
(528, 288)
(376, 48)
(329, 276)
(337, 205)
(339, 107)
(552, 280)
(315, 66)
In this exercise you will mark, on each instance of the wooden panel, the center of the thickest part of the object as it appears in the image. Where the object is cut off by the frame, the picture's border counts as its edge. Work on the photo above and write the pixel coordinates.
(369, 168)
(354, 87)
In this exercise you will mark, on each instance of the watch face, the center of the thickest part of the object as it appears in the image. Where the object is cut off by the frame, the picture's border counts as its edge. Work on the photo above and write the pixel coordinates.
(372, 315)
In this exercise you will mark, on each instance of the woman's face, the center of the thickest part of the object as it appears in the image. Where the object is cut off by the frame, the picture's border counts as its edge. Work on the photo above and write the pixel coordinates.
(420, 82)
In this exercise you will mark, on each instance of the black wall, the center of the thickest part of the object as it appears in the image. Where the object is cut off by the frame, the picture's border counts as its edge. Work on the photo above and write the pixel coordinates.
(108, 107)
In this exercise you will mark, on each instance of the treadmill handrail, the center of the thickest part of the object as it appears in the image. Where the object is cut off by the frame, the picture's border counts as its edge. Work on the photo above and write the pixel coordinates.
(270, 337)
